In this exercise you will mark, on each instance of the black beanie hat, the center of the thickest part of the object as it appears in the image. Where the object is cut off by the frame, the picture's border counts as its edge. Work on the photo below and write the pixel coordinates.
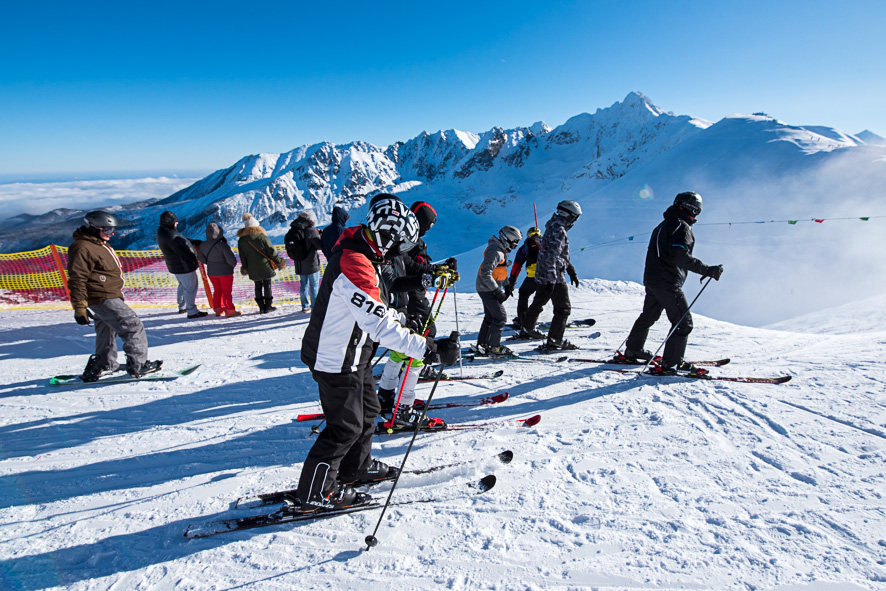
(426, 215)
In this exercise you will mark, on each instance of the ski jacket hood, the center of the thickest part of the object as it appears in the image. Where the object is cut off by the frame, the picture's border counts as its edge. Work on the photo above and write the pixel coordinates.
(168, 219)
(215, 253)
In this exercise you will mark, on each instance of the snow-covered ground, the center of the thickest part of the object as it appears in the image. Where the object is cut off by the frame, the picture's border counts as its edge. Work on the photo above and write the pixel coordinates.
(626, 483)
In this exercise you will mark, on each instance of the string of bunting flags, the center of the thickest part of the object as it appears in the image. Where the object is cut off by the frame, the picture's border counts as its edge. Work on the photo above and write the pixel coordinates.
(789, 222)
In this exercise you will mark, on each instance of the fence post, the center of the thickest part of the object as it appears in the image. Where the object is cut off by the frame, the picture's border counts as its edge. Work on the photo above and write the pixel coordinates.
(61, 268)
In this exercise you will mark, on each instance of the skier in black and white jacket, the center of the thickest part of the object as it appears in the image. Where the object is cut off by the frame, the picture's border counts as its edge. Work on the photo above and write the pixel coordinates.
(350, 319)
(668, 259)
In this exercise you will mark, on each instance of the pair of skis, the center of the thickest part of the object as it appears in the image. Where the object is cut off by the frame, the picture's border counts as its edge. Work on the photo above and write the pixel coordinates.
(621, 360)
(290, 512)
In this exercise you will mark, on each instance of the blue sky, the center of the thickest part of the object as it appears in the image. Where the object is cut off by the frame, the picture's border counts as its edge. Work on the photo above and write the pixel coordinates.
(186, 86)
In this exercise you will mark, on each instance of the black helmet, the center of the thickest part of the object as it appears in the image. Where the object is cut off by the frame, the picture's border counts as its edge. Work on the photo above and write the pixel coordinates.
(569, 209)
(690, 202)
(101, 222)
(425, 214)
(510, 237)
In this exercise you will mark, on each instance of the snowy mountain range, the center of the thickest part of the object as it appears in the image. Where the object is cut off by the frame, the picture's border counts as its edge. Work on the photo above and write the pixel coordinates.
(623, 164)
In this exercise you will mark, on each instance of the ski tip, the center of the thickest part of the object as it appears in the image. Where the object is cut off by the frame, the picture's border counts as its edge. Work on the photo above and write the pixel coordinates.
(561, 359)
(486, 483)
(595, 335)
(723, 361)
(505, 457)
(188, 370)
(783, 379)
(532, 421)
(499, 373)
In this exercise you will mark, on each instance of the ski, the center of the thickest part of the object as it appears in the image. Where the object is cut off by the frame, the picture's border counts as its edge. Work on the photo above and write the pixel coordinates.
(442, 427)
(622, 361)
(448, 378)
(543, 349)
(74, 380)
(582, 323)
(280, 496)
(483, 401)
(291, 514)
(745, 380)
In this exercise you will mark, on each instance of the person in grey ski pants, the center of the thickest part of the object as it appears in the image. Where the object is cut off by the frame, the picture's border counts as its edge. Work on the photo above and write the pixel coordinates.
(114, 318)
(187, 292)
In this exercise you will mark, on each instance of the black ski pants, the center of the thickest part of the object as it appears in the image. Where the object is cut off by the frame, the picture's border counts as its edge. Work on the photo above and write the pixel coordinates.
(527, 288)
(558, 293)
(344, 446)
(672, 301)
(494, 319)
(263, 295)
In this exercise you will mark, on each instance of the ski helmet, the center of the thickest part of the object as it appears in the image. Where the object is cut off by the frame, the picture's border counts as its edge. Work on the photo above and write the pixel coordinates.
(533, 231)
(102, 221)
(690, 202)
(425, 214)
(510, 237)
(569, 209)
(411, 233)
(387, 220)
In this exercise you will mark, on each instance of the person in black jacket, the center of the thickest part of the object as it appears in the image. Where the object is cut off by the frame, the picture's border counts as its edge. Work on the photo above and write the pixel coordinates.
(303, 232)
(329, 235)
(668, 259)
(181, 260)
(528, 255)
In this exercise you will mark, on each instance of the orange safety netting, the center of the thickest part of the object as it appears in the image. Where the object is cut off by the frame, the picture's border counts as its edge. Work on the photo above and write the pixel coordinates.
(38, 279)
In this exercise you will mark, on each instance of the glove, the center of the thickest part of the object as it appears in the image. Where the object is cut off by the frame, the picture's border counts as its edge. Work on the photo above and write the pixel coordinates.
(509, 290)
(500, 295)
(80, 314)
(573, 276)
(448, 349)
(430, 357)
(452, 263)
(714, 272)
(413, 323)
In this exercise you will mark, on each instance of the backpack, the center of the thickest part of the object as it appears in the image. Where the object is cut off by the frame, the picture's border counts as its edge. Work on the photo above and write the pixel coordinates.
(296, 244)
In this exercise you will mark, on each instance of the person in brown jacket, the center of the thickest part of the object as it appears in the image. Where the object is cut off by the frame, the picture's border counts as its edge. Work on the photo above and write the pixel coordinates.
(95, 280)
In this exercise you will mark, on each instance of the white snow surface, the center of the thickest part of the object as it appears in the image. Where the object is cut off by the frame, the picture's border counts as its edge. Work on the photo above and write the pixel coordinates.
(626, 483)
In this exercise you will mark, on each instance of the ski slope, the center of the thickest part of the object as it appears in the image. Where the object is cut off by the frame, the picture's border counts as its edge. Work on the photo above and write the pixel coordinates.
(626, 483)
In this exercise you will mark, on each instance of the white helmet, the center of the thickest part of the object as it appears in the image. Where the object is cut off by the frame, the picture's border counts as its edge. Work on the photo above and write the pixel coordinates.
(510, 237)
(569, 209)
(410, 233)
(387, 220)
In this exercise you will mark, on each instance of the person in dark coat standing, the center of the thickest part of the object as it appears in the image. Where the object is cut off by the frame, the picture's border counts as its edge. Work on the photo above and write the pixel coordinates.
(307, 268)
(329, 235)
(553, 266)
(528, 255)
(492, 277)
(95, 280)
(259, 260)
(216, 254)
(181, 260)
(668, 259)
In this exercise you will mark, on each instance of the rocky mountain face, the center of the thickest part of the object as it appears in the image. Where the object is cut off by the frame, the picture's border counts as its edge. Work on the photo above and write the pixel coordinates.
(474, 172)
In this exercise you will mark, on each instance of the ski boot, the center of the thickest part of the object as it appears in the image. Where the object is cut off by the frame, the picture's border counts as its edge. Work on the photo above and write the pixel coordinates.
(498, 351)
(632, 356)
(562, 345)
(477, 350)
(375, 472)
(136, 371)
(92, 372)
(386, 399)
(531, 334)
(429, 373)
(407, 419)
(682, 368)
(341, 496)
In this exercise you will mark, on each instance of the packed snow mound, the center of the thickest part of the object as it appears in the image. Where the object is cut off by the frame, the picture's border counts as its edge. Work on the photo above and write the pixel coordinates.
(862, 316)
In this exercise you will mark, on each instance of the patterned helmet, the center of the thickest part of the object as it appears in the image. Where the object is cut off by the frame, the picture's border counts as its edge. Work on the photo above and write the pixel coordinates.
(533, 231)
(388, 221)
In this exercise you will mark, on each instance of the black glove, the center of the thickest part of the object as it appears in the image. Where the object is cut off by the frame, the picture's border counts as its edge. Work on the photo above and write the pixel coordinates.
(573, 276)
(430, 357)
(500, 295)
(714, 272)
(413, 323)
(448, 349)
(509, 290)
(452, 263)
(80, 314)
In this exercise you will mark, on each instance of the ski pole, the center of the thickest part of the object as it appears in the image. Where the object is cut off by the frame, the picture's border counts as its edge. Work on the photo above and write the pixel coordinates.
(461, 367)
(673, 328)
(380, 357)
(425, 330)
(371, 539)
